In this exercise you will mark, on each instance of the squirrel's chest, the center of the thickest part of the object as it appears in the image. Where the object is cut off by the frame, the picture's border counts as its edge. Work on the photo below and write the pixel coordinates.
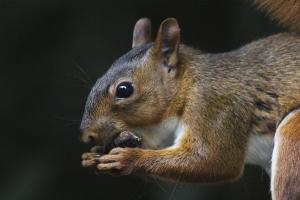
(260, 143)
(259, 151)
(161, 135)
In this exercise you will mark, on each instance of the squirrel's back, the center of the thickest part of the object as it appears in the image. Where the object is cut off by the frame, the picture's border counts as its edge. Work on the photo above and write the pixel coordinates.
(263, 76)
(271, 66)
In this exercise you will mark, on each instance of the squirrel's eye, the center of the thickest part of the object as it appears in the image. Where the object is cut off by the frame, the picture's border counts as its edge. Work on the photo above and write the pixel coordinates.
(124, 90)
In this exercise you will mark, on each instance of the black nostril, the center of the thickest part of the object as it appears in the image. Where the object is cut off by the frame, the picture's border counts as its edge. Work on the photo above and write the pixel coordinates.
(92, 141)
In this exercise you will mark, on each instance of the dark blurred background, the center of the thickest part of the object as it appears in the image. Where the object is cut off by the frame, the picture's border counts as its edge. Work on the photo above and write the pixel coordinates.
(51, 53)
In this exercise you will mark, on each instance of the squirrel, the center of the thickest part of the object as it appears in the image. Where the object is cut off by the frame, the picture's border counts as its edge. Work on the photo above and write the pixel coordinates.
(202, 116)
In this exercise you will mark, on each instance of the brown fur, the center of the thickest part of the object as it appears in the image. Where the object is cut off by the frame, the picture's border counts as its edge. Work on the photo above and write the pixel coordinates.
(221, 100)
(241, 92)
(286, 177)
(286, 12)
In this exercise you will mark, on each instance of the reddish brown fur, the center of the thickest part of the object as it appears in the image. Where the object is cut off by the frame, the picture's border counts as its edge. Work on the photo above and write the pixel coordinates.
(221, 99)
(286, 178)
(215, 142)
(287, 12)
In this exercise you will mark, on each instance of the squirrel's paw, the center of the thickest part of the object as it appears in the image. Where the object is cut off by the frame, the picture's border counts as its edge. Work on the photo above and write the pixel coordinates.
(119, 161)
(90, 159)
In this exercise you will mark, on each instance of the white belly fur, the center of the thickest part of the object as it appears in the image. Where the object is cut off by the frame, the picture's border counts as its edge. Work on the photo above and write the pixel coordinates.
(161, 135)
(260, 148)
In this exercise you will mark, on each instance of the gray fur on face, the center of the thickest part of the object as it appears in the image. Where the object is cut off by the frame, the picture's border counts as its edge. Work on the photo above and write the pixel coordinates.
(120, 68)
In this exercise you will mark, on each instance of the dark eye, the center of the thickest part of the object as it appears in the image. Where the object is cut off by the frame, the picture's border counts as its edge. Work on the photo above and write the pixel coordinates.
(124, 90)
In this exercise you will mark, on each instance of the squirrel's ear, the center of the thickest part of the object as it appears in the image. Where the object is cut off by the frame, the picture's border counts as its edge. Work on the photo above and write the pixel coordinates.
(141, 32)
(167, 41)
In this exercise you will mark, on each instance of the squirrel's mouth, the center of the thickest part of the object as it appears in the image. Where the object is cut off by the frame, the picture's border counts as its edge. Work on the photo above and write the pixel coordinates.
(123, 139)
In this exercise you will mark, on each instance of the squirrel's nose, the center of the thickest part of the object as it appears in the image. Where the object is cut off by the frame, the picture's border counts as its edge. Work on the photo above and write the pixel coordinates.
(89, 138)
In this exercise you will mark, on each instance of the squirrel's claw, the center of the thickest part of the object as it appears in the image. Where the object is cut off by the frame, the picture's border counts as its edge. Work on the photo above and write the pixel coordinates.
(90, 159)
(120, 161)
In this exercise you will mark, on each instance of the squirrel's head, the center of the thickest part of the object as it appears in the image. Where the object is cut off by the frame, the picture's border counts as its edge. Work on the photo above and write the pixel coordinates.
(140, 87)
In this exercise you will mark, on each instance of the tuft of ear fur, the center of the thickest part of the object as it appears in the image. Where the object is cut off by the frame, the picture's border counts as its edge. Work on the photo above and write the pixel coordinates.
(167, 41)
(141, 32)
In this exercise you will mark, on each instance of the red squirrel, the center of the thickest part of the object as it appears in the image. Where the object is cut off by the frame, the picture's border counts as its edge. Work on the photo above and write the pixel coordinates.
(202, 116)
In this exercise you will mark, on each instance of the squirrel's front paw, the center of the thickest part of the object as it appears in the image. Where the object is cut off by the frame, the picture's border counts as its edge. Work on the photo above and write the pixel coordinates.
(89, 159)
(119, 161)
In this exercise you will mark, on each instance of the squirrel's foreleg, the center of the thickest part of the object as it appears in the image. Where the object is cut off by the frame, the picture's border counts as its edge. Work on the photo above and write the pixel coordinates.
(189, 161)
